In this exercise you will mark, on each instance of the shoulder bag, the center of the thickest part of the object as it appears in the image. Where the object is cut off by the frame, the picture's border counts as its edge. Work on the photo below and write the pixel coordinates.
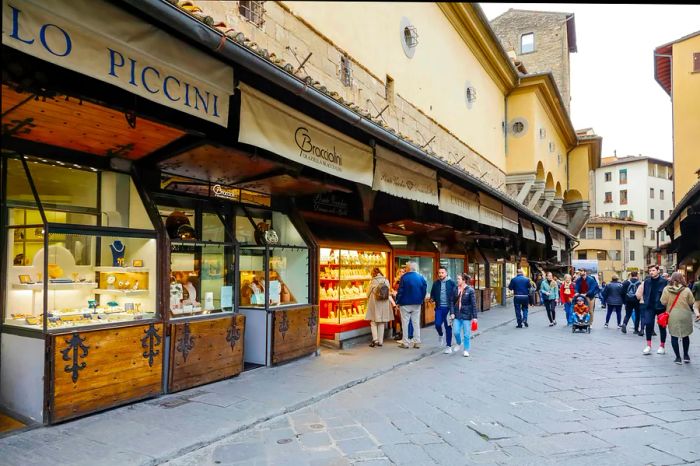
(663, 317)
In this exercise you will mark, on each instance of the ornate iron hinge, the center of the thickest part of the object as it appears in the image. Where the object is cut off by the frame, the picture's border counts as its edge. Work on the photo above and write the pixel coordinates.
(18, 127)
(313, 321)
(120, 150)
(233, 334)
(153, 340)
(75, 343)
(186, 342)
(284, 324)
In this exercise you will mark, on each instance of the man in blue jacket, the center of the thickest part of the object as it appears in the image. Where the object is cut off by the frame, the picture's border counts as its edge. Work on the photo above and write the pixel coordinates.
(410, 297)
(588, 286)
(520, 285)
(443, 294)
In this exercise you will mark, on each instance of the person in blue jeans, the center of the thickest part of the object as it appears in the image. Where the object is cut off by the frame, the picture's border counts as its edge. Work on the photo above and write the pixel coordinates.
(443, 293)
(463, 312)
(613, 295)
(520, 285)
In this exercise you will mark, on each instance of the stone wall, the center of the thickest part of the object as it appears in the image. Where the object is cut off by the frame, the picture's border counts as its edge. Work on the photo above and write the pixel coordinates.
(291, 38)
(551, 44)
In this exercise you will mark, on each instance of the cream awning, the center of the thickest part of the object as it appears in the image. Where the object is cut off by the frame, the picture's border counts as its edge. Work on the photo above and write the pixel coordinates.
(458, 201)
(539, 234)
(528, 231)
(100, 40)
(490, 211)
(272, 125)
(510, 219)
(404, 178)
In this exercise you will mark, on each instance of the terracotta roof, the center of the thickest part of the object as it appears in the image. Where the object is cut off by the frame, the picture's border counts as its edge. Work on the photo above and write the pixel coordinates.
(663, 55)
(613, 220)
(631, 159)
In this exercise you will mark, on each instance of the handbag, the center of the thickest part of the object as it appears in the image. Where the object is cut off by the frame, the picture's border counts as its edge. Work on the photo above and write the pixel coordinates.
(475, 325)
(663, 317)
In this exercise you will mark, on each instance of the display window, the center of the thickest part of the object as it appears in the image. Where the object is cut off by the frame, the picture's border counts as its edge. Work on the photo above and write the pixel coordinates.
(344, 278)
(496, 281)
(74, 258)
(454, 266)
(477, 272)
(511, 271)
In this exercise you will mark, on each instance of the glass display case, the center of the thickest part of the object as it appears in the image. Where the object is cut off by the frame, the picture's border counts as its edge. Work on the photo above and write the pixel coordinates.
(511, 271)
(344, 278)
(454, 266)
(81, 253)
(426, 267)
(496, 281)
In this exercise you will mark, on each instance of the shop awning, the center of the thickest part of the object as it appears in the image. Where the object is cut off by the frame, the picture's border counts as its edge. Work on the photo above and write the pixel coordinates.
(528, 231)
(558, 241)
(539, 234)
(490, 211)
(510, 219)
(404, 178)
(272, 125)
(458, 201)
(100, 40)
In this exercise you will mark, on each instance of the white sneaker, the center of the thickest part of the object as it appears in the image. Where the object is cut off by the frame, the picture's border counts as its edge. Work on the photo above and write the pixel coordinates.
(442, 341)
(661, 350)
(448, 350)
(647, 350)
(466, 354)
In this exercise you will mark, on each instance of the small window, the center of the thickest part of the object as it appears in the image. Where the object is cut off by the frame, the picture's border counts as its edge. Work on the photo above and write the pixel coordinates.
(618, 234)
(662, 236)
(582, 235)
(583, 255)
(608, 176)
(623, 176)
(551, 147)
(518, 127)
(608, 197)
(599, 233)
(471, 94)
(632, 234)
(651, 193)
(623, 197)
(652, 169)
(410, 36)
(623, 214)
(601, 255)
(615, 255)
(527, 43)
(543, 133)
(652, 233)
(696, 62)
(345, 71)
(252, 11)
(661, 214)
(661, 194)
(651, 214)
(632, 256)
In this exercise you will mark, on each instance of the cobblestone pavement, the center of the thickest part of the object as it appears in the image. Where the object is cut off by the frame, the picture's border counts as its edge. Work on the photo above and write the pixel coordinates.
(537, 395)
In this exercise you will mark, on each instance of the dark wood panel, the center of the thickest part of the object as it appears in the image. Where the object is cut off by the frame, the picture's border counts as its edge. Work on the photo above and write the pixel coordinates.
(115, 370)
(205, 351)
(295, 333)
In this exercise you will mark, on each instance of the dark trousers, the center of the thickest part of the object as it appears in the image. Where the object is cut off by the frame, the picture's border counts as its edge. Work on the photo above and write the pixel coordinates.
(440, 320)
(521, 303)
(686, 346)
(649, 319)
(632, 310)
(617, 309)
(550, 305)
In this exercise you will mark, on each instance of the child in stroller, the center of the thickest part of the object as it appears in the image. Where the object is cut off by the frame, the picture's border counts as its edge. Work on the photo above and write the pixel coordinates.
(582, 315)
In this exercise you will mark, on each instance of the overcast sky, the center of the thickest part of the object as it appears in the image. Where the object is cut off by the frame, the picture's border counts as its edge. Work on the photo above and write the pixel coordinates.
(613, 89)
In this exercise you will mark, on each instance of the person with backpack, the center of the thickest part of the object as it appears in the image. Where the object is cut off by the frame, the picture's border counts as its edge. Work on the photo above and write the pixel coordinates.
(379, 306)
(614, 297)
(629, 290)
(443, 293)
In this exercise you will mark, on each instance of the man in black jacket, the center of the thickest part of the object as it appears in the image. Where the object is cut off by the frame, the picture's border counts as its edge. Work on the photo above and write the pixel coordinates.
(654, 285)
(629, 288)
(443, 294)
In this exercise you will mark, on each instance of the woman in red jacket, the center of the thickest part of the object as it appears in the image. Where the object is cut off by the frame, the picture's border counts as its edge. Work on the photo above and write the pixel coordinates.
(566, 296)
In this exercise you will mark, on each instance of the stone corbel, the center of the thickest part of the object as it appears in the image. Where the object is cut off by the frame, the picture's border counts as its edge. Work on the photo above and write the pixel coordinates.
(548, 198)
(539, 190)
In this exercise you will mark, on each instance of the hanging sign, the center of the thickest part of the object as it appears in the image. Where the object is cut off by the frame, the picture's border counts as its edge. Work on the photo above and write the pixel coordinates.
(404, 178)
(458, 201)
(268, 123)
(100, 40)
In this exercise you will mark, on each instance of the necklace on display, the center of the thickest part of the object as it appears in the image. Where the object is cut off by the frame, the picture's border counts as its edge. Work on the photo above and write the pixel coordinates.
(116, 245)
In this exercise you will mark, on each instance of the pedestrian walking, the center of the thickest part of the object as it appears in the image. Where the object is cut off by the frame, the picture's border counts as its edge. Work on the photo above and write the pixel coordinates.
(679, 301)
(629, 290)
(410, 297)
(652, 289)
(380, 306)
(613, 294)
(443, 293)
(549, 291)
(520, 286)
(696, 295)
(566, 296)
(588, 286)
(539, 299)
(464, 311)
(600, 294)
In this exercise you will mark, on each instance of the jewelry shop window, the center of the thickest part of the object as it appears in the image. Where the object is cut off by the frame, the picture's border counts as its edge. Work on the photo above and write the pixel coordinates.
(82, 252)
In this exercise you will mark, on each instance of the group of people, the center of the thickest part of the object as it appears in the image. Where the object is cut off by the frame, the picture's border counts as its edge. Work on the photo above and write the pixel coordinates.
(455, 308)
(644, 301)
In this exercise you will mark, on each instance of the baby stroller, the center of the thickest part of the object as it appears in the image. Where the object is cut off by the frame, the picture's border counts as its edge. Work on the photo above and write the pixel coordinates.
(581, 326)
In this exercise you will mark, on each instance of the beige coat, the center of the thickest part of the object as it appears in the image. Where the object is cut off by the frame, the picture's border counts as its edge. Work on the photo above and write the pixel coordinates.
(379, 311)
(680, 322)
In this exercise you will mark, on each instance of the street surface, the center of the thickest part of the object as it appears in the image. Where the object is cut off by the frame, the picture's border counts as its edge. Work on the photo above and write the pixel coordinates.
(536, 395)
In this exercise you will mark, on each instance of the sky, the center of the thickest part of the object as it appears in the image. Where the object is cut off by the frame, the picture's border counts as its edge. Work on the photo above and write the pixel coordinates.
(613, 89)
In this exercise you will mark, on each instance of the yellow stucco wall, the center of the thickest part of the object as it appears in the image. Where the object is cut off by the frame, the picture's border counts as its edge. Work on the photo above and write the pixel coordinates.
(579, 169)
(434, 79)
(686, 117)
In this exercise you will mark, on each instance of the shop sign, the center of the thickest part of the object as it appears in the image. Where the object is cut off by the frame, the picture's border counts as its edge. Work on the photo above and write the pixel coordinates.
(100, 40)
(223, 192)
(490, 217)
(270, 124)
(404, 178)
(458, 201)
(539, 234)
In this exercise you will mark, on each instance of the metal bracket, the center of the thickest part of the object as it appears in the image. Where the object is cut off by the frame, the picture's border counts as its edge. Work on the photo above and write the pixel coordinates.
(378, 115)
(301, 63)
(122, 150)
(20, 127)
(313, 321)
(233, 334)
(284, 324)
(75, 343)
(185, 343)
(153, 340)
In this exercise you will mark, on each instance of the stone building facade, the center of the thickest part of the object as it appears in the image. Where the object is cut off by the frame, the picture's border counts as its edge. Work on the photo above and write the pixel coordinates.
(554, 36)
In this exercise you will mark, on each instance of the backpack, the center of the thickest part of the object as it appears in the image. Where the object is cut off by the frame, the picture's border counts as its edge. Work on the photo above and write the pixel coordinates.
(381, 293)
(632, 290)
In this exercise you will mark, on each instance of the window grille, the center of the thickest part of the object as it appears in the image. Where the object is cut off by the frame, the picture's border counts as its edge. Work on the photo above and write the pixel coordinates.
(345, 71)
(252, 11)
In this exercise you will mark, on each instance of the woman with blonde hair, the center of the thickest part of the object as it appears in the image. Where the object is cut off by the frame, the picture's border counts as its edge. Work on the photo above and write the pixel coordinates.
(379, 306)
(679, 300)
